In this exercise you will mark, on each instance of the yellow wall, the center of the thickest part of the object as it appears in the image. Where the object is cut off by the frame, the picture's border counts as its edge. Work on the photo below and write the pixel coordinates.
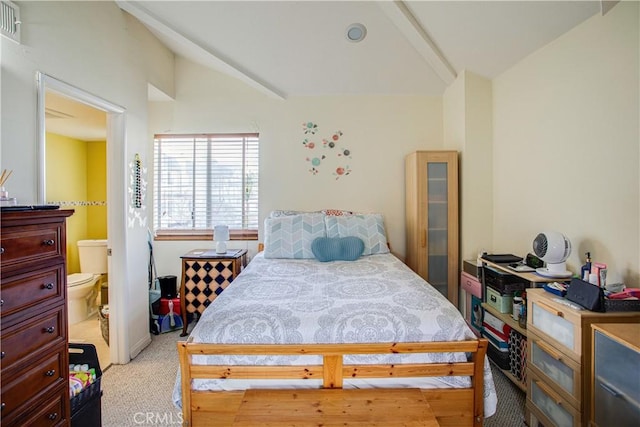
(75, 175)
(97, 189)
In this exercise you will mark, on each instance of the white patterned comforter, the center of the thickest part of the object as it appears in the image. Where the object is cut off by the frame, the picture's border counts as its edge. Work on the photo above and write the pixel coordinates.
(374, 299)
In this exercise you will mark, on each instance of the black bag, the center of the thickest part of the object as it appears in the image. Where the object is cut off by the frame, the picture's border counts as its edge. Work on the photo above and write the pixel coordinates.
(587, 295)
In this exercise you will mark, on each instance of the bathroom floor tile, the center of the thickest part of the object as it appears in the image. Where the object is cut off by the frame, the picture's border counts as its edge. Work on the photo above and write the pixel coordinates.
(88, 332)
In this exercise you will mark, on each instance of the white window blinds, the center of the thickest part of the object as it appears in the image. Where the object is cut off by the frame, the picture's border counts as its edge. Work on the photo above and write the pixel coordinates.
(205, 180)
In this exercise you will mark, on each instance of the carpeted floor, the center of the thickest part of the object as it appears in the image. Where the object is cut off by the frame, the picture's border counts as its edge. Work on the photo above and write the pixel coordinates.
(139, 393)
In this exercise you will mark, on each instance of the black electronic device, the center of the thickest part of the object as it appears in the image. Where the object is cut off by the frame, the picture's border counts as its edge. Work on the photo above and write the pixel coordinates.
(502, 258)
(533, 261)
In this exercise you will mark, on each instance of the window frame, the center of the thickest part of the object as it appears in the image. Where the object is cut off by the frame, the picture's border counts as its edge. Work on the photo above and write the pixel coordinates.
(176, 234)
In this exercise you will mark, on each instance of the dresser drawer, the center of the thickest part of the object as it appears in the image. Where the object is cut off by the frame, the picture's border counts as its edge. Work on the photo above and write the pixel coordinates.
(555, 323)
(51, 411)
(550, 408)
(32, 243)
(31, 289)
(33, 334)
(555, 368)
(37, 378)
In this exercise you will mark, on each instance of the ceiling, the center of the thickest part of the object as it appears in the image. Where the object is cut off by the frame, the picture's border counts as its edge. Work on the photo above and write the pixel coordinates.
(65, 116)
(299, 48)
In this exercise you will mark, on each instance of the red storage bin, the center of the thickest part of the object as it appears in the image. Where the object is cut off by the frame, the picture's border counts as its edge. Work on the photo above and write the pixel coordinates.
(164, 306)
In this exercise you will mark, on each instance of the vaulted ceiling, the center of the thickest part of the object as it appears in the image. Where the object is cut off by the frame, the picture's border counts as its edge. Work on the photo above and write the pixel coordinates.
(300, 48)
(293, 48)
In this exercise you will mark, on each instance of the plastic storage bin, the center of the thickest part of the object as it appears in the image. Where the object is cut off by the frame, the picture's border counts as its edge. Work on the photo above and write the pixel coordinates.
(86, 407)
(501, 302)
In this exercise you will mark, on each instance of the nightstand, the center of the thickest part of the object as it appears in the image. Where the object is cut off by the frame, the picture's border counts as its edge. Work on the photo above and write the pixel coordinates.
(205, 274)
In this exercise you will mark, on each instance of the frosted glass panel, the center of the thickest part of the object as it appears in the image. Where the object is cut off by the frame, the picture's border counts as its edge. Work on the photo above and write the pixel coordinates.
(560, 373)
(556, 327)
(618, 365)
(437, 217)
(550, 408)
(437, 225)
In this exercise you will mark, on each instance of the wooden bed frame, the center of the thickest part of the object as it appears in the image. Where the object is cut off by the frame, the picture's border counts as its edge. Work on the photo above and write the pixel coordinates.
(451, 406)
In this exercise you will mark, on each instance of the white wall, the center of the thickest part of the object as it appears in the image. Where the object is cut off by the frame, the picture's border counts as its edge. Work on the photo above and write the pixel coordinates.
(467, 119)
(378, 130)
(101, 50)
(566, 145)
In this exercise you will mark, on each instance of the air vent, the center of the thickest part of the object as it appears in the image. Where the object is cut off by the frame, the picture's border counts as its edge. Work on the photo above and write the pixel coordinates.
(10, 20)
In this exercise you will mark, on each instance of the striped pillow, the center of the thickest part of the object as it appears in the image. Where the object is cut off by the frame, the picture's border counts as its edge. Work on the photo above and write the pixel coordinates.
(291, 236)
(368, 227)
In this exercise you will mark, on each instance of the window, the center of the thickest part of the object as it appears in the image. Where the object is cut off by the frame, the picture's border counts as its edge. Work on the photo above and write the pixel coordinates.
(205, 180)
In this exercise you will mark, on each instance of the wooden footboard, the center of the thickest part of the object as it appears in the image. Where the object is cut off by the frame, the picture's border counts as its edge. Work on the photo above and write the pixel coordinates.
(452, 407)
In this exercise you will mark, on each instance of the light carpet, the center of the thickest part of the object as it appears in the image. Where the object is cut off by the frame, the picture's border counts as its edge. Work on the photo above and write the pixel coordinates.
(139, 393)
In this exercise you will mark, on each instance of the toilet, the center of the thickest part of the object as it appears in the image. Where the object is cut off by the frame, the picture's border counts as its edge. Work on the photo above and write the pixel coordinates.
(83, 287)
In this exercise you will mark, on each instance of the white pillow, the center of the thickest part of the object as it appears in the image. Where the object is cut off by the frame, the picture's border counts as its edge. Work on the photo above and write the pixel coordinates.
(291, 236)
(279, 213)
(368, 227)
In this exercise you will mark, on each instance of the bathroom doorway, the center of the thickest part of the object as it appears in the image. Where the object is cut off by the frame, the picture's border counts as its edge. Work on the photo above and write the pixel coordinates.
(76, 136)
(91, 130)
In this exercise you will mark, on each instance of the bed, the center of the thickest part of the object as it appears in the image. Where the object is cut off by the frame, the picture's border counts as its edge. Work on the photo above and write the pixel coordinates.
(300, 323)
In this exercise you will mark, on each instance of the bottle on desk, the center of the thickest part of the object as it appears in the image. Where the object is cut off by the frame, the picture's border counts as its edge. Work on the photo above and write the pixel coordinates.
(517, 306)
(586, 268)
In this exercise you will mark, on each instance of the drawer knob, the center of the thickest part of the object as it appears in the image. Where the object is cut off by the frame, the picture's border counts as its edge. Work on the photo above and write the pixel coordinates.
(47, 286)
(1, 250)
(2, 406)
(50, 372)
(49, 242)
(52, 416)
(1, 302)
(50, 329)
(2, 354)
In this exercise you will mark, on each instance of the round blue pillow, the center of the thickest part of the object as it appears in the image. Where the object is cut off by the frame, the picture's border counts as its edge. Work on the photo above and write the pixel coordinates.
(337, 248)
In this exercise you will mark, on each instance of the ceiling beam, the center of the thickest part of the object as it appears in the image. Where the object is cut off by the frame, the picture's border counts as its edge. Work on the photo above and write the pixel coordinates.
(606, 6)
(191, 49)
(408, 25)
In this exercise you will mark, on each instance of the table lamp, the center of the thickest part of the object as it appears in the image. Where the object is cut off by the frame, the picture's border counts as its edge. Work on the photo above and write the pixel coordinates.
(220, 236)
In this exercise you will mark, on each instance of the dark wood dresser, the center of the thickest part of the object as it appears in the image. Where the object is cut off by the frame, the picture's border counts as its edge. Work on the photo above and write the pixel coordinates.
(33, 314)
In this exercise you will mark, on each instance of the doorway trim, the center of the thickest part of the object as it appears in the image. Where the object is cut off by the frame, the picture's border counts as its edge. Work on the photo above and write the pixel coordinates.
(116, 199)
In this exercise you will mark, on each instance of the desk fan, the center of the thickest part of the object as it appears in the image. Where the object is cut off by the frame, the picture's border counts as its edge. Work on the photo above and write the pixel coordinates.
(553, 248)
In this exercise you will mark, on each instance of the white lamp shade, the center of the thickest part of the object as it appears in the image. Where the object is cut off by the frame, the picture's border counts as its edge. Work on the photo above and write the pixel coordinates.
(221, 233)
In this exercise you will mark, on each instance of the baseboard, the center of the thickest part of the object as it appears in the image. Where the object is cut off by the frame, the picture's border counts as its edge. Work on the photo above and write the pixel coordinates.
(139, 346)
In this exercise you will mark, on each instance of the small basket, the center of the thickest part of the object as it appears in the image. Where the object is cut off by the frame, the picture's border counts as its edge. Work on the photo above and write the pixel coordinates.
(86, 395)
(621, 304)
(80, 354)
(104, 324)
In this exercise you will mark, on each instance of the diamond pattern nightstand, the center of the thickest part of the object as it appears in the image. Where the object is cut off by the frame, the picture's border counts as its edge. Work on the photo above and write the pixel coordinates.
(205, 274)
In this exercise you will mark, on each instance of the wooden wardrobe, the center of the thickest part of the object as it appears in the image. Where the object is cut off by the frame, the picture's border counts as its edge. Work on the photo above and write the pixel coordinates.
(432, 219)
